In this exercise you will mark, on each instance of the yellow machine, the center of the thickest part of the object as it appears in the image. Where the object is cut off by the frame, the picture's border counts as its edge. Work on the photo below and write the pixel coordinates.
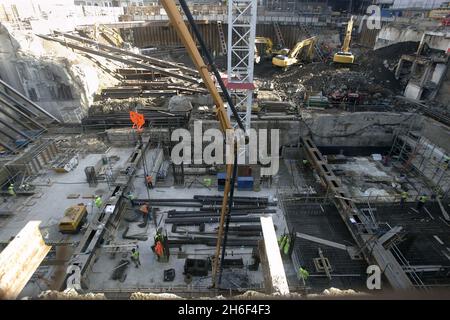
(285, 61)
(269, 50)
(110, 35)
(74, 218)
(345, 56)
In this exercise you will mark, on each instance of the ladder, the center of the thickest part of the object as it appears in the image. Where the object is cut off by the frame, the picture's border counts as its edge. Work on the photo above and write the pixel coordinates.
(279, 35)
(317, 49)
(223, 43)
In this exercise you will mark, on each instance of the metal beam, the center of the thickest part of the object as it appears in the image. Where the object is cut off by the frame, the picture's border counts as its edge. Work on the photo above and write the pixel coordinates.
(8, 135)
(18, 121)
(29, 101)
(158, 62)
(23, 114)
(15, 129)
(19, 105)
(321, 241)
(121, 59)
(7, 146)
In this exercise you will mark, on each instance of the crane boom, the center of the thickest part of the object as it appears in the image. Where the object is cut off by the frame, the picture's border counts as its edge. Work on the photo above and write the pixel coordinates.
(225, 124)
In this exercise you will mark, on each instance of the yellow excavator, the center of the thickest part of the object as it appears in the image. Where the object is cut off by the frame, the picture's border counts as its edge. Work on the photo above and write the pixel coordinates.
(285, 61)
(109, 34)
(345, 56)
(268, 48)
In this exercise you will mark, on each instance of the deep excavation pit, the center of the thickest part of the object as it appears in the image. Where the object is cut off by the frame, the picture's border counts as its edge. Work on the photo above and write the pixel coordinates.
(91, 116)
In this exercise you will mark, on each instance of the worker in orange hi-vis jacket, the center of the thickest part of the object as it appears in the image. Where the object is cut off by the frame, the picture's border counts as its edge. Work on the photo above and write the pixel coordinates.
(137, 119)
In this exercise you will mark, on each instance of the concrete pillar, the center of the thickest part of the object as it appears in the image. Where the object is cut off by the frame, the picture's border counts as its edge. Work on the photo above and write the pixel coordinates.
(399, 68)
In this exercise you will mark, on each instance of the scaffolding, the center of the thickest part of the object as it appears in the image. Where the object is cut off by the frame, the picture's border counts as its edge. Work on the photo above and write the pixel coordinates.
(241, 52)
(413, 152)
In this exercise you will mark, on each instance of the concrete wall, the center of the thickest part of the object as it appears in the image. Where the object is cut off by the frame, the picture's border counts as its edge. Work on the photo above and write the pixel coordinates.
(360, 129)
(443, 95)
(436, 132)
(393, 33)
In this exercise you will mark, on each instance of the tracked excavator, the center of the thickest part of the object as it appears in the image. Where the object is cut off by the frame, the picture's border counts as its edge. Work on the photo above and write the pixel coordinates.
(268, 48)
(292, 58)
(345, 56)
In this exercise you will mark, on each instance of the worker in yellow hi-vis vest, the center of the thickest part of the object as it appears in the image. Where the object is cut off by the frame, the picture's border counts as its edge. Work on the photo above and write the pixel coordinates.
(403, 198)
(303, 274)
(11, 190)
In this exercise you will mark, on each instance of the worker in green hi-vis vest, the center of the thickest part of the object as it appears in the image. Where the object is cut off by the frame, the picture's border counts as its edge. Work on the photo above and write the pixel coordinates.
(98, 202)
(303, 274)
(11, 190)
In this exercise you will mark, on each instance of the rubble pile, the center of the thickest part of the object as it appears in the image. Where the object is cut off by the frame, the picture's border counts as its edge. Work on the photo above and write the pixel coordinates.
(69, 294)
(372, 76)
(117, 105)
(154, 296)
(81, 142)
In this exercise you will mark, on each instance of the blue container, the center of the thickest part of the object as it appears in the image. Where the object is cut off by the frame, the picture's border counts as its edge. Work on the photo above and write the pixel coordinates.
(245, 183)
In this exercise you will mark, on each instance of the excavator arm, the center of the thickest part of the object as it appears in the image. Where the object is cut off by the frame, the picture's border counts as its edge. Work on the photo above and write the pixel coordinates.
(225, 124)
(300, 45)
(267, 42)
(348, 36)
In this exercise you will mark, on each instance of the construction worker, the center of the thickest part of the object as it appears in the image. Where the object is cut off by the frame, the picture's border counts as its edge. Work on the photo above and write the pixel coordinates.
(284, 243)
(149, 181)
(446, 162)
(144, 210)
(305, 163)
(11, 190)
(421, 202)
(135, 257)
(98, 202)
(287, 245)
(130, 197)
(207, 182)
(303, 273)
(159, 249)
(403, 198)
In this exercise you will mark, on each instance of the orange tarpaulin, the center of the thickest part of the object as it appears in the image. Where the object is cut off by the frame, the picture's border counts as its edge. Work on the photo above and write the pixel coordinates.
(137, 119)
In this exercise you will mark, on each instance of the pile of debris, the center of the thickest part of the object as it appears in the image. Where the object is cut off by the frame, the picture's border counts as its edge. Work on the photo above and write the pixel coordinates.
(69, 294)
(117, 105)
(82, 142)
(372, 78)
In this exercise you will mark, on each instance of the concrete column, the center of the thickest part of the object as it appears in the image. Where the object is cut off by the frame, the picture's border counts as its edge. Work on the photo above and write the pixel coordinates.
(399, 68)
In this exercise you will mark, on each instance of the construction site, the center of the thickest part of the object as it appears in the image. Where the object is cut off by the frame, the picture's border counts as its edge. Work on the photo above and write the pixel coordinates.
(202, 149)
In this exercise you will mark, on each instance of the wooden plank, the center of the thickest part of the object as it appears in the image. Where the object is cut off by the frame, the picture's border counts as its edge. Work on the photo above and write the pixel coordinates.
(274, 262)
(20, 259)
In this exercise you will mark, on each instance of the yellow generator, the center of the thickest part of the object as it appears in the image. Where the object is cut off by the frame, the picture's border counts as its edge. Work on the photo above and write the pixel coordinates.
(74, 218)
